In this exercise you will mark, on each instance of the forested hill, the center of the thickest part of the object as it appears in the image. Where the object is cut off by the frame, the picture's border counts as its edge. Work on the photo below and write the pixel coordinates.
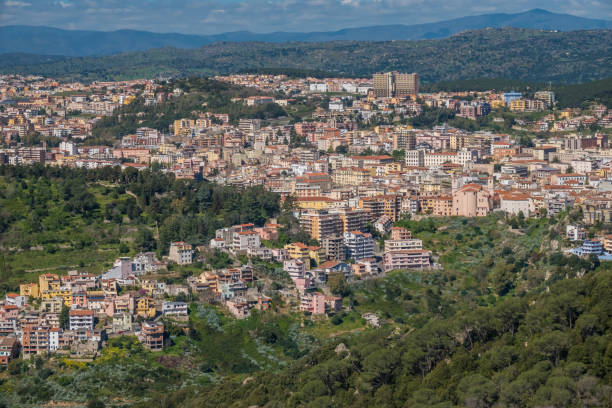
(529, 55)
(547, 350)
(79, 43)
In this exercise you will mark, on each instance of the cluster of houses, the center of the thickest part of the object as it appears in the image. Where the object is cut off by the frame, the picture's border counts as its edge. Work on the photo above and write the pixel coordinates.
(76, 313)
(351, 252)
(600, 247)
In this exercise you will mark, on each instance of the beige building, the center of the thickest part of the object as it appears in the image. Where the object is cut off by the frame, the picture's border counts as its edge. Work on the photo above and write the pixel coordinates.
(472, 200)
(396, 84)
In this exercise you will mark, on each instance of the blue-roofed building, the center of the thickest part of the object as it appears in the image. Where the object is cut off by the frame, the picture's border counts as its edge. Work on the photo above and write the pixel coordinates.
(511, 96)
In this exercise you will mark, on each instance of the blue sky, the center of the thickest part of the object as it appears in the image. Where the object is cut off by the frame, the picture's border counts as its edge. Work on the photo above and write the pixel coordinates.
(215, 16)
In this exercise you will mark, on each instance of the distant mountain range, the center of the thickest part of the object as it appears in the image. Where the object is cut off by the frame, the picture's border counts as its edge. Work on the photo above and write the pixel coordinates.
(510, 53)
(55, 41)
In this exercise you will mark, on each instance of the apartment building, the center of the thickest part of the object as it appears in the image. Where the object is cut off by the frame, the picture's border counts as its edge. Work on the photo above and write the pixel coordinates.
(359, 244)
(145, 307)
(81, 319)
(152, 335)
(296, 268)
(300, 250)
(29, 289)
(174, 309)
(409, 259)
(318, 303)
(353, 219)
(395, 84)
(9, 349)
(352, 176)
(321, 224)
(47, 282)
(415, 158)
(181, 253)
(439, 205)
(377, 206)
(244, 240)
(39, 339)
(400, 233)
(515, 203)
(402, 244)
(333, 247)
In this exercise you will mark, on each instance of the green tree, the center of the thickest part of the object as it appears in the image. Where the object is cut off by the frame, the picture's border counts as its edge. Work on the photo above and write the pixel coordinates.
(337, 284)
(64, 317)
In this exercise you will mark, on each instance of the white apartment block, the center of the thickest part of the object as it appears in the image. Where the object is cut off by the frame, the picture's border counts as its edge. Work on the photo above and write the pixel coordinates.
(181, 253)
(359, 244)
(402, 244)
(81, 319)
(243, 240)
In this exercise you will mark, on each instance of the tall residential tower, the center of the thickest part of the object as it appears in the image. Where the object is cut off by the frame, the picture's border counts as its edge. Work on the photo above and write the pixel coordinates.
(396, 84)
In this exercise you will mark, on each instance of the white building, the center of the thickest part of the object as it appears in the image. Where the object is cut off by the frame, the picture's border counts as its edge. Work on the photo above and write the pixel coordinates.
(243, 240)
(174, 309)
(402, 244)
(415, 158)
(54, 339)
(81, 319)
(296, 268)
(218, 243)
(514, 203)
(575, 233)
(359, 244)
(336, 105)
(319, 87)
(181, 253)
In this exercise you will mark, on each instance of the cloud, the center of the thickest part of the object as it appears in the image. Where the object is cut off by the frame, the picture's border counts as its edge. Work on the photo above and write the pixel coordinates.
(17, 4)
(64, 4)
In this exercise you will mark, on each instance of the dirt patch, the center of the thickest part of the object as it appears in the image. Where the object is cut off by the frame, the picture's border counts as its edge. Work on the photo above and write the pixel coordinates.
(175, 362)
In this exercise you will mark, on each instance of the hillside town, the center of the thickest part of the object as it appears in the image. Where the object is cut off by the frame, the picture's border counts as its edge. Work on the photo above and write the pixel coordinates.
(347, 177)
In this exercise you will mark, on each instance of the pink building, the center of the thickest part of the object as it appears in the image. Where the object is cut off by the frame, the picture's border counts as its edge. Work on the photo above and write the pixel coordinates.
(409, 259)
(472, 200)
(317, 303)
(400, 233)
(79, 299)
(313, 303)
(303, 284)
(267, 233)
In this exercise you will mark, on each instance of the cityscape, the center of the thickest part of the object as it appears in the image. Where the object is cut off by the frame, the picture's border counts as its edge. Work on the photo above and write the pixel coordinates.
(296, 237)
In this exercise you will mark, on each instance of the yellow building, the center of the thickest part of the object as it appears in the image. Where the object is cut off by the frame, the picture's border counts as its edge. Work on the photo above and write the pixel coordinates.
(299, 250)
(518, 105)
(149, 287)
(497, 103)
(183, 126)
(146, 307)
(166, 148)
(317, 254)
(129, 99)
(392, 167)
(212, 155)
(48, 281)
(316, 203)
(63, 293)
(458, 141)
(353, 176)
(29, 289)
